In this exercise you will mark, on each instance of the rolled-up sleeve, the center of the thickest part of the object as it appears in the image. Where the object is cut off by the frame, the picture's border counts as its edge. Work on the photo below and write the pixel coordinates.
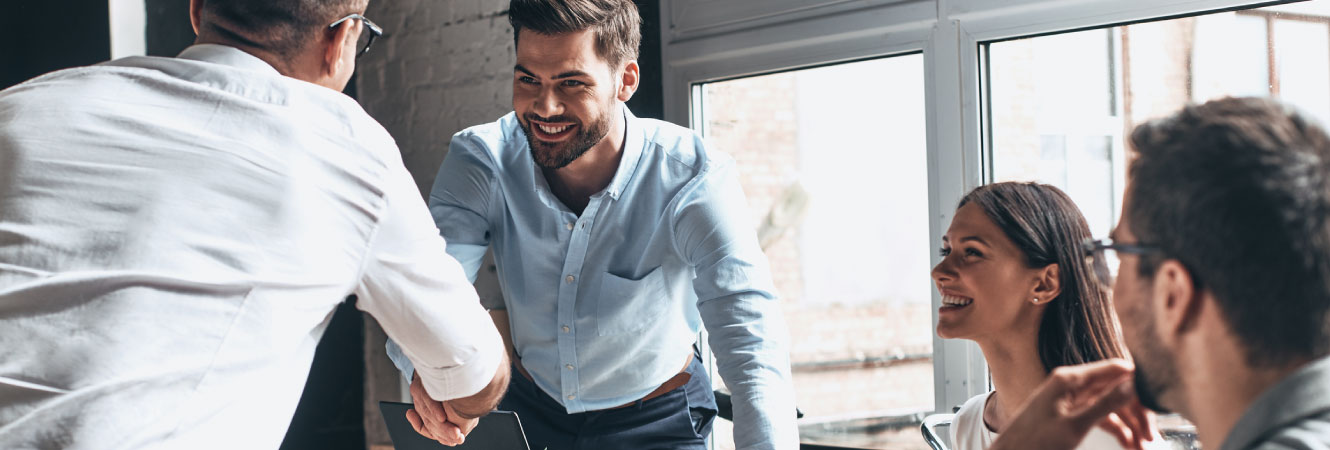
(459, 200)
(423, 300)
(739, 307)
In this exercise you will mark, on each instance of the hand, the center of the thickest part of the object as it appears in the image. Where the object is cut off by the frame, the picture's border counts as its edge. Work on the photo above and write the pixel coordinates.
(1075, 398)
(436, 420)
(1131, 424)
(466, 424)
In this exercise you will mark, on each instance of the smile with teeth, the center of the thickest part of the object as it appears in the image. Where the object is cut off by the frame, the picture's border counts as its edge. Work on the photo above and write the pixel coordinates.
(953, 301)
(553, 129)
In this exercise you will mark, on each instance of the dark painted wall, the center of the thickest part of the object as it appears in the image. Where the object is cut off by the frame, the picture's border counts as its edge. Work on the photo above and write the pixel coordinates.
(648, 100)
(37, 37)
(168, 27)
(330, 416)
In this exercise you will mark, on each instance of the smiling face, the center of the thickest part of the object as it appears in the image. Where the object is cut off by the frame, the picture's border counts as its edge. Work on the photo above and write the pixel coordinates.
(985, 284)
(564, 94)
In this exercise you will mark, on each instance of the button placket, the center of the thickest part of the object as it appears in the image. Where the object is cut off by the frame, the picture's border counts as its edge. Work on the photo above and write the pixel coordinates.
(574, 262)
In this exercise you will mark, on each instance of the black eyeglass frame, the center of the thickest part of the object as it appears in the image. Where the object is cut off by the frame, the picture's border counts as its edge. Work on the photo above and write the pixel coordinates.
(374, 31)
(1093, 247)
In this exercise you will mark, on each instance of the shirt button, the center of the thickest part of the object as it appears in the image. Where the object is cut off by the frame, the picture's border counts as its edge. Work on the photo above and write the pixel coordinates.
(569, 366)
(570, 397)
(565, 328)
(570, 278)
(570, 225)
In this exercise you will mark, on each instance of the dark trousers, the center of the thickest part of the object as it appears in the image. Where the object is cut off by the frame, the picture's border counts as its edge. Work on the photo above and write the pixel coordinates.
(679, 419)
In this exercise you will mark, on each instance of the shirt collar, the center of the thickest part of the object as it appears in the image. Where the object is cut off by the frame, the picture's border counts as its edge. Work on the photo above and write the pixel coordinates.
(632, 152)
(1304, 393)
(226, 55)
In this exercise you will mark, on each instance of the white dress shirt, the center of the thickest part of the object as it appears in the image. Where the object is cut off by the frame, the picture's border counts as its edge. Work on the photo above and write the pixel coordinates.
(175, 234)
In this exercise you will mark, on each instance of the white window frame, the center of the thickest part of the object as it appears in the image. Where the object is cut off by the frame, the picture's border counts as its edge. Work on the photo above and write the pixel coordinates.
(800, 33)
(129, 27)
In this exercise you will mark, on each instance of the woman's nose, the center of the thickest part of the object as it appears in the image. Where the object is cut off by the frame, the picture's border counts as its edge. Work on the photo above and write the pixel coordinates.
(942, 271)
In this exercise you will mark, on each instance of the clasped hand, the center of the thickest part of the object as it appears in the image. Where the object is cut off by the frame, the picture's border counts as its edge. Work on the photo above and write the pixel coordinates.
(437, 420)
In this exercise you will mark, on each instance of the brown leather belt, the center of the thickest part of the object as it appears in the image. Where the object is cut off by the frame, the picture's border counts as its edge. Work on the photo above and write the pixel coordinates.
(679, 379)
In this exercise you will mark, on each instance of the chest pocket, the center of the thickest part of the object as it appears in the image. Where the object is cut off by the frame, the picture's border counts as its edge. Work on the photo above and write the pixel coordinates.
(626, 305)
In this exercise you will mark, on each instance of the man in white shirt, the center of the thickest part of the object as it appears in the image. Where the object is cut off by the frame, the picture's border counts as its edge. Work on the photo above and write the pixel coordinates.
(176, 232)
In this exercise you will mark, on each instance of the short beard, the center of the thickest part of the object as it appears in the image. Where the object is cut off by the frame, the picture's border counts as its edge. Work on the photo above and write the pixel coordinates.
(557, 156)
(1148, 390)
(1154, 381)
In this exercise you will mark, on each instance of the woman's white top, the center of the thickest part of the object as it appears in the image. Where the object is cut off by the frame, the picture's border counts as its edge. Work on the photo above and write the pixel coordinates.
(968, 431)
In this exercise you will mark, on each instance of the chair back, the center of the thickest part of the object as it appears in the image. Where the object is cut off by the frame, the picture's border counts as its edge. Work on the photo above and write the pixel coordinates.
(936, 429)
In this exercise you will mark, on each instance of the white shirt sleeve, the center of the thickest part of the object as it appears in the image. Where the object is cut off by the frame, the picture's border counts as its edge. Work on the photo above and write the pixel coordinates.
(424, 301)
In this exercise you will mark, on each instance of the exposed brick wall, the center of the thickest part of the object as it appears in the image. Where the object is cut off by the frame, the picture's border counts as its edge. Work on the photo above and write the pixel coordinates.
(753, 121)
(441, 67)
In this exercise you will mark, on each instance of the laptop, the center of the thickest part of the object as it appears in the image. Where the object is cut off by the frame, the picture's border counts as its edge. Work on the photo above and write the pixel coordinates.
(499, 430)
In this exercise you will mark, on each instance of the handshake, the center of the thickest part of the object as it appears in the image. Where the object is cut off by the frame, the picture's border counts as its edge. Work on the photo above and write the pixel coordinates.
(449, 422)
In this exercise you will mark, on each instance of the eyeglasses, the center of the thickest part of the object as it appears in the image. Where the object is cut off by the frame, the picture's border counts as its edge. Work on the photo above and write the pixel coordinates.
(1102, 257)
(366, 39)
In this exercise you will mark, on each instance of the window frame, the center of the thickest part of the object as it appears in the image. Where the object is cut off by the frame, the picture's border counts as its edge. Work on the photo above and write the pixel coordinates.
(793, 34)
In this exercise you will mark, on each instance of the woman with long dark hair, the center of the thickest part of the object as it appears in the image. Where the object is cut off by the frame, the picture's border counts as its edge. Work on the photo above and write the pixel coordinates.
(1014, 280)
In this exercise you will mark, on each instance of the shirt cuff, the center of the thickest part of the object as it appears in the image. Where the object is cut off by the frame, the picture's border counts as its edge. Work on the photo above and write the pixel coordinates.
(461, 380)
(400, 360)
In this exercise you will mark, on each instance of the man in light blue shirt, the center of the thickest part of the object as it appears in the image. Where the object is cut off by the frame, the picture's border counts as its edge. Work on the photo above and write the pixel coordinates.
(616, 238)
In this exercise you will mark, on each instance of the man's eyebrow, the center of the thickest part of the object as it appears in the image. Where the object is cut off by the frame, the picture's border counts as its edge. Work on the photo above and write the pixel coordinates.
(568, 74)
(571, 74)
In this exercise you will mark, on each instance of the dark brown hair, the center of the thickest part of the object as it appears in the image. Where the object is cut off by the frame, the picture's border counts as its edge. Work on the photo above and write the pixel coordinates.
(1079, 325)
(1238, 191)
(282, 27)
(617, 25)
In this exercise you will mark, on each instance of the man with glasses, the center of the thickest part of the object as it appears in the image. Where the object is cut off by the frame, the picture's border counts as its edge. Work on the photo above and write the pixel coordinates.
(175, 234)
(1223, 288)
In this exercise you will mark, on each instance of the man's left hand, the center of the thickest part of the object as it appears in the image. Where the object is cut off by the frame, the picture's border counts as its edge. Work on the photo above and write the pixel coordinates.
(1071, 401)
(431, 418)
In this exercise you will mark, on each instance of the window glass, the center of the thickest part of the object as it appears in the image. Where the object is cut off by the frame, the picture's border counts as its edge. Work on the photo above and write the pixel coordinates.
(1059, 107)
(833, 162)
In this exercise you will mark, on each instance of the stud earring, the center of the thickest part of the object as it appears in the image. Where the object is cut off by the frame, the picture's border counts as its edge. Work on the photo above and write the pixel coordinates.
(1035, 300)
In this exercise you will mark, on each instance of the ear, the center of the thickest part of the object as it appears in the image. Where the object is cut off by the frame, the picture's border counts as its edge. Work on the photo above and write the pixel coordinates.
(1048, 285)
(1176, 303)
(632, 75)
(342, 38)
(195, 14)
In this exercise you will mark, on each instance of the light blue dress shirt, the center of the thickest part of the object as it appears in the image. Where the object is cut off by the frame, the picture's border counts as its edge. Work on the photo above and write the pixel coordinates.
(603, 306)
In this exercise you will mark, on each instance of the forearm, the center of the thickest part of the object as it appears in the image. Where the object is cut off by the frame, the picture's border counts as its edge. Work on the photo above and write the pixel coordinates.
(749, 341)
(488, 398)
(764, 408)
